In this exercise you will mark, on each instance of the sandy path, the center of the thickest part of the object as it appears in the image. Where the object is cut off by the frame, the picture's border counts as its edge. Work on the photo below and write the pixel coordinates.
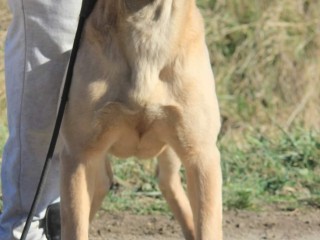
(242, 225)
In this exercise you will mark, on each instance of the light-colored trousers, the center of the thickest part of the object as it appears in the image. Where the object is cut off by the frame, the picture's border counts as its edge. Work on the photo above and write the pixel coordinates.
(37, 51)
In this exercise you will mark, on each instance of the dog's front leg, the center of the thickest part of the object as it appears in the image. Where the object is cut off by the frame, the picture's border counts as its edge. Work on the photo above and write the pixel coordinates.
(204, 183)
(76, 193)
(201, 160)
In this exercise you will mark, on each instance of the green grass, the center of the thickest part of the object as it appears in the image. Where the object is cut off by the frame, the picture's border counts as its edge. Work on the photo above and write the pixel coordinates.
(265, 55)
(264, 170)
(135, 188)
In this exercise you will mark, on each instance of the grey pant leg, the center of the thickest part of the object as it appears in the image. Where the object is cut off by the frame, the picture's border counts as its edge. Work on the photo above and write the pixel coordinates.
(36, 54)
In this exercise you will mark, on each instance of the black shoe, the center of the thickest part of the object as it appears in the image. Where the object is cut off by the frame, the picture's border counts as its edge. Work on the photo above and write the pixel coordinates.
(52, 222)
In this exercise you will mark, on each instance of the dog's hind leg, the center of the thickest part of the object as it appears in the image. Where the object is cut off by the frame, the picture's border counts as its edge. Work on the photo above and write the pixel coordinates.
(172, 190)
(204, 182)
(103, 183)
(78, 180)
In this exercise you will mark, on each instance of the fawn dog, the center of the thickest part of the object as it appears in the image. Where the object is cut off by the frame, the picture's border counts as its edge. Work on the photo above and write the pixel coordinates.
(143, 86)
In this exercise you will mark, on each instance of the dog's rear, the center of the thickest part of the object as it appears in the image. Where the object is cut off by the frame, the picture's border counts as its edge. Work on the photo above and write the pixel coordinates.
(143, 87)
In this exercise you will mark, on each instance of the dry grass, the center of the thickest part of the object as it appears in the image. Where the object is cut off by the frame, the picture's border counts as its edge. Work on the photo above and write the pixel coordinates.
(266, 56)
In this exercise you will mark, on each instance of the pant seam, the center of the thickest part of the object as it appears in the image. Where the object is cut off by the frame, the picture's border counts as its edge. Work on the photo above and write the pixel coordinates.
(22, 98)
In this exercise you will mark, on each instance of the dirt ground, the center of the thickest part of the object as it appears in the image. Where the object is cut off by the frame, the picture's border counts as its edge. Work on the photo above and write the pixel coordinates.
(238, 225)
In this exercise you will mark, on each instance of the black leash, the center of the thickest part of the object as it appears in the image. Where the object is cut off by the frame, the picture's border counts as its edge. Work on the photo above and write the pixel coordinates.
(86, 9)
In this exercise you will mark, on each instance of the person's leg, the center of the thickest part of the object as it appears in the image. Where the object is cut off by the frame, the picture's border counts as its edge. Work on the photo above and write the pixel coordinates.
(37, 51)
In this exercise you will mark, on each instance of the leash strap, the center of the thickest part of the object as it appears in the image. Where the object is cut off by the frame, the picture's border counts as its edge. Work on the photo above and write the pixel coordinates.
(86, 9)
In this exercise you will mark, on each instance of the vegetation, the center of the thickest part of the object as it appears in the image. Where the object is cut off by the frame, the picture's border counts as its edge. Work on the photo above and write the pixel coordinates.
(4, 18)
(266, 59)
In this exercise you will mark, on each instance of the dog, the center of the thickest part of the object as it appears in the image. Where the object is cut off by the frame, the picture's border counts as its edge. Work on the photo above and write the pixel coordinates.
(143, 86)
